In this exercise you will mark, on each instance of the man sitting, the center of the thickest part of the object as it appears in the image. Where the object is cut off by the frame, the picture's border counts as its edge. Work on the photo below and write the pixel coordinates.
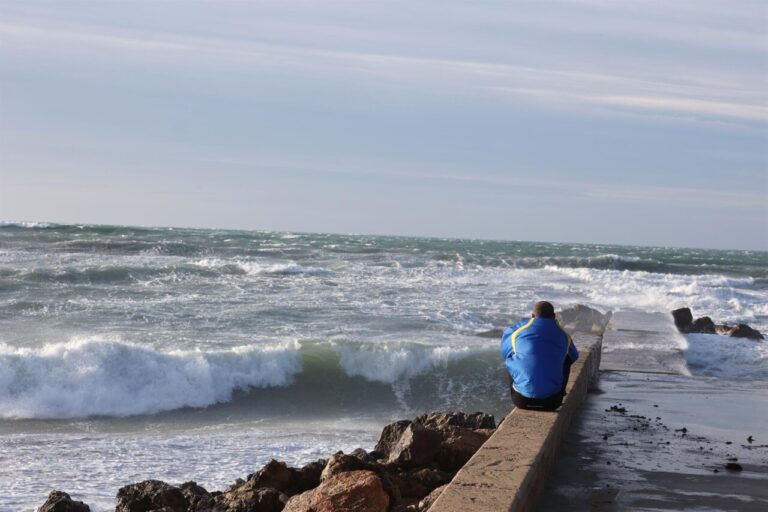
(538, 354)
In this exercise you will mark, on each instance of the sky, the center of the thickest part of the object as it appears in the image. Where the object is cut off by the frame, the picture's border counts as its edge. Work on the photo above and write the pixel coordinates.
(632, 122)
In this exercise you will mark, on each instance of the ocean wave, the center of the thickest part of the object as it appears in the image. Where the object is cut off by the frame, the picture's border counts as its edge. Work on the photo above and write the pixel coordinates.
(26, 224)
(102, 377)
(108, 377)
(393, 362)
(254, 268)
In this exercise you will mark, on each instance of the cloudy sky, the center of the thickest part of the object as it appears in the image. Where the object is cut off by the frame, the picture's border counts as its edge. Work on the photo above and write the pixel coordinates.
(632, 122)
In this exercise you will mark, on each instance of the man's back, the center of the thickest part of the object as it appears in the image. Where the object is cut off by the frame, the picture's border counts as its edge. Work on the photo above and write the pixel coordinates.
(535, 352)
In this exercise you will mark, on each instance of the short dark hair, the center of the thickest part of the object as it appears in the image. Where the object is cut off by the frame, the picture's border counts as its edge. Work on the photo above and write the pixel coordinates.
(544, 309)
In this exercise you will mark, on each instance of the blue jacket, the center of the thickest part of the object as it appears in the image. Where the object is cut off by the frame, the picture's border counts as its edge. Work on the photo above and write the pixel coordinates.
(534, 351)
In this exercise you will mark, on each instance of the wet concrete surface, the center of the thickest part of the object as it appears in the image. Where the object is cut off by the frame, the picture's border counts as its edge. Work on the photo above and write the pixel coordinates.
(650, 441)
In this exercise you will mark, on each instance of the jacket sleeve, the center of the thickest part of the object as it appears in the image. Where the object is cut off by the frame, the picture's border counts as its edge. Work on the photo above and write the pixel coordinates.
(573, 353)
(506, 340)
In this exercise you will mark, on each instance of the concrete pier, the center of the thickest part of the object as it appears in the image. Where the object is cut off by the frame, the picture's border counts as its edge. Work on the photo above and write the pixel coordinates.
(512, 467)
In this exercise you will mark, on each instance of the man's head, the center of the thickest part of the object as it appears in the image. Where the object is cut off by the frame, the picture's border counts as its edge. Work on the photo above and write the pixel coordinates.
(543, 309)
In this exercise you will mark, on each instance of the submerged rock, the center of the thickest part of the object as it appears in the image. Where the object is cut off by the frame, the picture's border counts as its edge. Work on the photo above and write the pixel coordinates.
(352, 491)
(703, 325)
(151, 495)
(59, 501)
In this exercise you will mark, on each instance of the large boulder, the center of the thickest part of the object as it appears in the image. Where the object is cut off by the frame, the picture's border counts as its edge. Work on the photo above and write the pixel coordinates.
(59, 501)
(683, 319)
(416, 447)
(150, 495)
(352, 491)
(390, 434)
(745, 331)
(447, 439)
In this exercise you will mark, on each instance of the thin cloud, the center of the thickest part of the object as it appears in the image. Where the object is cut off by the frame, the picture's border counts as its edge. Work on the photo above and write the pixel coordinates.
(744, 99)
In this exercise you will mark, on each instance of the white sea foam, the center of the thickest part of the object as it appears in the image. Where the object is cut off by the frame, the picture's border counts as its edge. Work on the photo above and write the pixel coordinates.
(725, 299)
(85, 377)
(718, 356)
(257, 267)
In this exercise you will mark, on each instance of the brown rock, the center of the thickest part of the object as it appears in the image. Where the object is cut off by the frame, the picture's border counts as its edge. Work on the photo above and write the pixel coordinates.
(458, 446)
(198, 498)
(59, 501)
(243, 499)
(341, 463)
(745, 331)
(353, 491)
(274, 474)
(150, 495)
(441, 420)
(416, 447)
(390, 435)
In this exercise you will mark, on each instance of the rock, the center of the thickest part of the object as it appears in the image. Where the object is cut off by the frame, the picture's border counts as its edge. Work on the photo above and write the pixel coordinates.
(243, 499)
(59, 501)
(198, 498)
(745, 331)
(683, 319)
(734, 466)
(390, 434)
(703, 325)
(416, 447)
(458, 446)
(440, 420)
(420, 482)
(341, 463)
(150, 495)
(431, 498)
(581, 318)
(277, 475)
(274, 474)
(352, 491)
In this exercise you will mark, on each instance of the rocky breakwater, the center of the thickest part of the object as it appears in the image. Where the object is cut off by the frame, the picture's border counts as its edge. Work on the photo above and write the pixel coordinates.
(407, 470)
(705, 325)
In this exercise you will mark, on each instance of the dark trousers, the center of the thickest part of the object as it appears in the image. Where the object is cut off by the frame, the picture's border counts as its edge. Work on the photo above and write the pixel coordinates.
(549, 403)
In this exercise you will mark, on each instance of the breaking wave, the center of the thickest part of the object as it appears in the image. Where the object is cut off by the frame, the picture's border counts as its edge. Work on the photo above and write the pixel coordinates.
(102, 377)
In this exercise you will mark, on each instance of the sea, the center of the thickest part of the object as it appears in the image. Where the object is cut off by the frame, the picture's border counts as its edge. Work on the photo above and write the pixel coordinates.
(129, 353)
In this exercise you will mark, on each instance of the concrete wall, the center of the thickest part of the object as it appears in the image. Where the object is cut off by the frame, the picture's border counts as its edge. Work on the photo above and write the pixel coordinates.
(511, 468)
